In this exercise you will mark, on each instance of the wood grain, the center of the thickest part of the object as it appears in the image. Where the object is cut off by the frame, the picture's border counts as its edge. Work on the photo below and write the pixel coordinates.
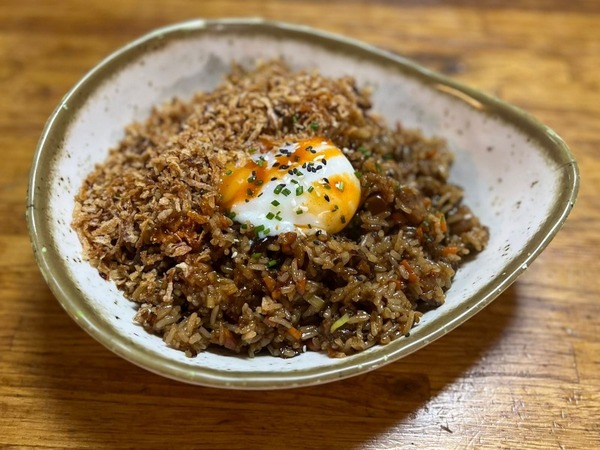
(525, 373)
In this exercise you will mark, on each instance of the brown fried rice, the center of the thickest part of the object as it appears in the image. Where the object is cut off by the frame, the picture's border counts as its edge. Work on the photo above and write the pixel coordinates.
(150, 220)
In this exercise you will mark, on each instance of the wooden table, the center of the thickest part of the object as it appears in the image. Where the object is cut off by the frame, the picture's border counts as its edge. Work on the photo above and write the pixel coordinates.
(525, 373)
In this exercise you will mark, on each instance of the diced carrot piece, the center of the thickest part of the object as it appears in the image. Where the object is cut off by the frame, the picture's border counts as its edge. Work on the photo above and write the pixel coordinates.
(450, 250)
(295, 333)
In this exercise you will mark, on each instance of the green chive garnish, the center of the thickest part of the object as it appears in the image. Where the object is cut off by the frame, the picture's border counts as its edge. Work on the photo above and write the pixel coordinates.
(270, 215)
(272, 263)
(286, 192)
(340, 186)
(299, 190)
(314, 126)
(275, 203)
(310, 189)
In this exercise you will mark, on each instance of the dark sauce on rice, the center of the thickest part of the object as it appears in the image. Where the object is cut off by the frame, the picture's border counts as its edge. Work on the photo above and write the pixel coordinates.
(150, 220)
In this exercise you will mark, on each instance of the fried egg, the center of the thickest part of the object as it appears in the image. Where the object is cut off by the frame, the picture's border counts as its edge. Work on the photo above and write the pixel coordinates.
(305, 186)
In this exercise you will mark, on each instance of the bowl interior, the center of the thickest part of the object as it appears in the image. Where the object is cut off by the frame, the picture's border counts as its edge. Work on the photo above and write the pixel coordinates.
(518, 177)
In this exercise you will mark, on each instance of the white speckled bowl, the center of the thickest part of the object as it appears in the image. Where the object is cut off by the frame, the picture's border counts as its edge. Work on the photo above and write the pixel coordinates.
(519, 177)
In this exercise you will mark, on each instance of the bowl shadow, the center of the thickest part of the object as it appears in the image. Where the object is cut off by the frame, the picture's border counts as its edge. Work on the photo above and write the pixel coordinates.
(106, 401)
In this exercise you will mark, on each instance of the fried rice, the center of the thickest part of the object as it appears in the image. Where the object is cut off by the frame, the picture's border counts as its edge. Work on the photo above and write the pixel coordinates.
(150, 220)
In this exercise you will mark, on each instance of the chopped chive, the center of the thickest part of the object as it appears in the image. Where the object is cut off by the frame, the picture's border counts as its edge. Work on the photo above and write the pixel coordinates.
(299, 190)
(310, 189)
(326, 197)
(259, 228)
(250, 192)
(275, 203)
(229, 172)
(273, 179)
(270, 215)
(340, 186)
(252, 151)
(272, 263)
(357, 174)
(299, 211)
(244, 226)
(327, 186)
(294, 181)
(278, 216)
(256, 255)
(364, 150)
(343, 219)
(314, 126)
(261, 162)
(267, 231)
(231, 215)
(335, 208)
(259, 182)
(251, 178)
(278, 188)
(286, 192)
(294, 119)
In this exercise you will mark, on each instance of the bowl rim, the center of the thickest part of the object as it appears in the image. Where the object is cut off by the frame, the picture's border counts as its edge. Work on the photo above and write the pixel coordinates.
(74, 301)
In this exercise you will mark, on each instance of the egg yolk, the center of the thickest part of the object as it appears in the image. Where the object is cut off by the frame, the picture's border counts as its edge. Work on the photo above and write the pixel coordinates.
(305, 186)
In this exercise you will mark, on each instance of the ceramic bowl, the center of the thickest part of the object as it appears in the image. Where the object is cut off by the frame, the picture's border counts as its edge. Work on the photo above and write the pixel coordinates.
(519, 178)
